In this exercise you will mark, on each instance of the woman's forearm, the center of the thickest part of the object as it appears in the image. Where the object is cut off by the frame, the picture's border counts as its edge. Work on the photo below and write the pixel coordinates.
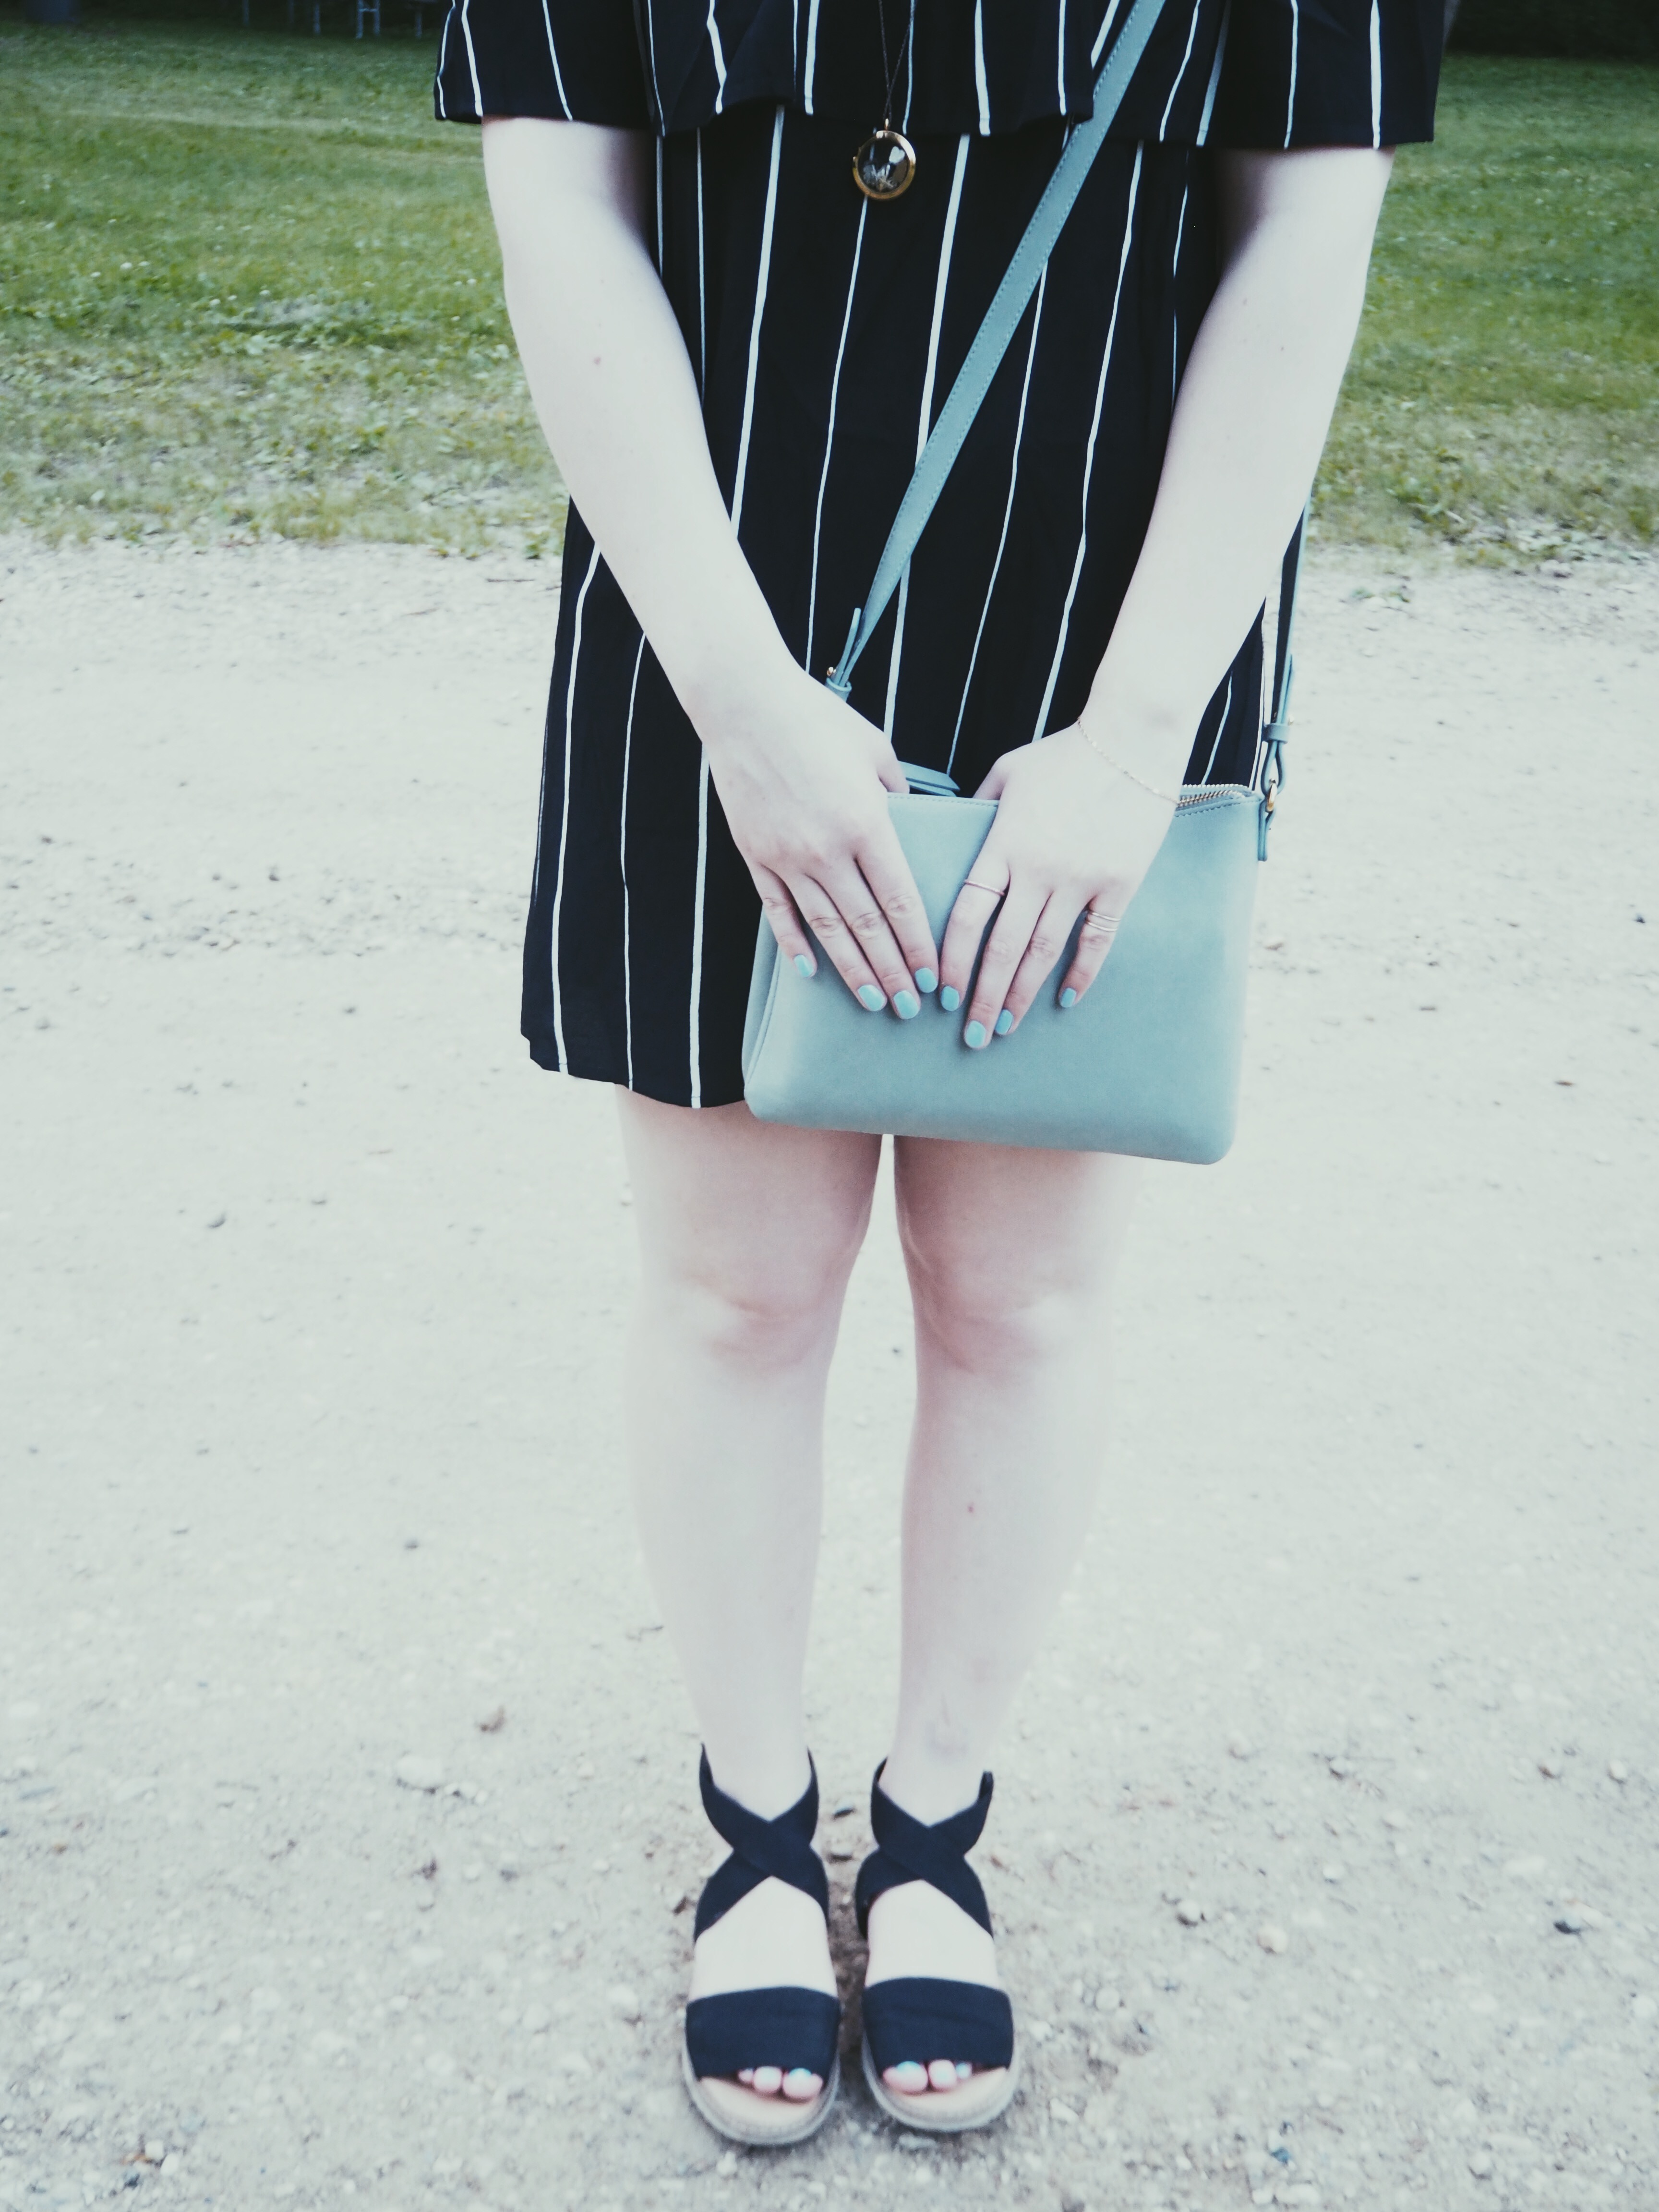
(615, 392)
(1256, 404)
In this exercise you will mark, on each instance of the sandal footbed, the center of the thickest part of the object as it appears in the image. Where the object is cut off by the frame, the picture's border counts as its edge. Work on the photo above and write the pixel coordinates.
(948, 2112)
(795, 2123)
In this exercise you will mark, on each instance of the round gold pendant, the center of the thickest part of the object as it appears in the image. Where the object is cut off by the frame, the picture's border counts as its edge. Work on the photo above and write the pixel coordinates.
(884, 165)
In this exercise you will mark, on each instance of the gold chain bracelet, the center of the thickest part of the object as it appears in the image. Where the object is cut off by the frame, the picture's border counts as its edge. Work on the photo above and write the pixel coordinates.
(1170, 797)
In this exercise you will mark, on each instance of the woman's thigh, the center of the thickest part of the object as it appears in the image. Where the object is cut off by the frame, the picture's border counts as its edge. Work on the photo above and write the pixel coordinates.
(997, 1237)
(752, 1215)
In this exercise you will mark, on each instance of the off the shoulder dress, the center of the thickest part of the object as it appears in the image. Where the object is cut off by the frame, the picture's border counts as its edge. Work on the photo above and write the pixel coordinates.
(824, 330)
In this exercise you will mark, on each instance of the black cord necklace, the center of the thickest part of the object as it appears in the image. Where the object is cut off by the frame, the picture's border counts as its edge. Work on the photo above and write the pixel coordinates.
(885, 163)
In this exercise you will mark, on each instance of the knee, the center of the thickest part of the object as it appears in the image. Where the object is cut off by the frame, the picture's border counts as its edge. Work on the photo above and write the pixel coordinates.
(995, 1313)
(753, 1312)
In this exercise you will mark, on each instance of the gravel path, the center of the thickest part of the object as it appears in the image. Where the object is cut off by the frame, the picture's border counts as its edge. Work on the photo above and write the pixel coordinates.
(347, 1795)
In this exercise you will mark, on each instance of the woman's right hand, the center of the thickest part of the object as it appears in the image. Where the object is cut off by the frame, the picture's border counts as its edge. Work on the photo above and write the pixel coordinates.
(804, 781)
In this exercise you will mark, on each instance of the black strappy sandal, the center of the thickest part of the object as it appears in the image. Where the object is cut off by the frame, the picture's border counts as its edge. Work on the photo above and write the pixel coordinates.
(917, 2017)
(788, 2027)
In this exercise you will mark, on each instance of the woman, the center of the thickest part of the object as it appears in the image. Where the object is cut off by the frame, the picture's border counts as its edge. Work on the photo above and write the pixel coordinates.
(736, 351)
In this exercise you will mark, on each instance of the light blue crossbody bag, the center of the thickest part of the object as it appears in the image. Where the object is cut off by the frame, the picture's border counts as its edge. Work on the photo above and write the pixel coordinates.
(1147, 1061)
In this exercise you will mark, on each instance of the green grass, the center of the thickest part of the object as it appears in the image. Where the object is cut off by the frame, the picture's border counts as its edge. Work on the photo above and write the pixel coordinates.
(1504, 393)
(248, 288)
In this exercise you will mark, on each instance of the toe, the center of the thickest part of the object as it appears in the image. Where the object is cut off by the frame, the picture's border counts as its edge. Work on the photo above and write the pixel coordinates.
(907, 2077)
(964, 2069)
(767, 2080)
(802, 2085)
(942, 2074)
(746, 2075)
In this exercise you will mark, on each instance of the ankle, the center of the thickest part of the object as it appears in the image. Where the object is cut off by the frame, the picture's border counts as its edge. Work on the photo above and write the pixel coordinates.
(930, 1788)
(764, 1782)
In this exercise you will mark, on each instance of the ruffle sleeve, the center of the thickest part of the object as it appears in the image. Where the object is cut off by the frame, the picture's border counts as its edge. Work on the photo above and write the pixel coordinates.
(573, 61)
(1327, 73)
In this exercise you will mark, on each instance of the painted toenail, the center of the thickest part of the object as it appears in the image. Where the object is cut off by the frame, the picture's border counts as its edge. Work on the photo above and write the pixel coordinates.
(800, 2083)
(964, 2069)
(768, 2080)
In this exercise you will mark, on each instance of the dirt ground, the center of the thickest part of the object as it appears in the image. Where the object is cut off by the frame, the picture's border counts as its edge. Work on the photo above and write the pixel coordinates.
(347, 1794)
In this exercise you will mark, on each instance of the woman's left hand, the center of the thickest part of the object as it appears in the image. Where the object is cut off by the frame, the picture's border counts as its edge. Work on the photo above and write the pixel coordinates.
(1073, 835)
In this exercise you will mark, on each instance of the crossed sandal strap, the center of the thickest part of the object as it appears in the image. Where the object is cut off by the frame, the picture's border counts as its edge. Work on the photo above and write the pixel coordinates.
(908, 1851)
(915, 2017)
(781, 1849)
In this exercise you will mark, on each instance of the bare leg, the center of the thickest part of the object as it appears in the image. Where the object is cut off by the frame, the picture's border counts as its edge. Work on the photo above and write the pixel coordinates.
(747, 1233)
(1010, 1256)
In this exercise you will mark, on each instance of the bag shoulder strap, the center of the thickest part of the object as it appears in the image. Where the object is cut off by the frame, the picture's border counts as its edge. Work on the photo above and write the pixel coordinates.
(995, 333)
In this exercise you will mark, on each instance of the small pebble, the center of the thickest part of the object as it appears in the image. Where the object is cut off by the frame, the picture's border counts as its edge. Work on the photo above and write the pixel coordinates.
(1273, 1938)
(1240, 1746)
(1190, 1912)
(1061, 2113)
(1395, 1819)
(624, 2000)
(415, 1772)
(726, 2165)
(1550, 1769)
(1617, 1771)
(1334, 1870)
(1481, 2165)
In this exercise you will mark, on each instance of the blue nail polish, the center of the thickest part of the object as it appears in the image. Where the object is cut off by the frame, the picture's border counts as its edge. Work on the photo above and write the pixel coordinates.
(973, 1036)
(906, 1005)
(926, 980)
(871, 998)
(802, 965)
(1068, 997)
(1005, 1022)
(950, 1000)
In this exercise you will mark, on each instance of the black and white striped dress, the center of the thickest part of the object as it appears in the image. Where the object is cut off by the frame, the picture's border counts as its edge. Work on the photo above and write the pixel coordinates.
(825, 331)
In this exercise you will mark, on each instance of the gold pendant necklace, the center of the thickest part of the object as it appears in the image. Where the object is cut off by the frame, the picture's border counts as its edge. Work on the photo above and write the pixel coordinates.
(886, 164)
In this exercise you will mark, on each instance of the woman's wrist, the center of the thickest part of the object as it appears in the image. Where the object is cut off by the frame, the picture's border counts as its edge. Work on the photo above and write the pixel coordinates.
(1149, 740)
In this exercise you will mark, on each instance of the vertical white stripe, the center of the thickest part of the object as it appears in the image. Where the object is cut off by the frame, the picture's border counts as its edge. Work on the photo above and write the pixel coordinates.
(1060, 58)
(811, 57)
(1296, 40)
(660, 234)
(1103, 34)
(768, 224)
(438, 74)
(1088, 458)
(1192, 32)
(702, 296)
(830, 434)
(621, 859)
(718, 53)
(472, 62)
(1376, 74)
(766, 227)
(650, 46)
(1175, 315)
(980, 84)
(564, 804)
(1215, 75)
(696, 929)
(910, 66)
(553, 56)
(941, 284)
(1007, 511)
(1226, 709)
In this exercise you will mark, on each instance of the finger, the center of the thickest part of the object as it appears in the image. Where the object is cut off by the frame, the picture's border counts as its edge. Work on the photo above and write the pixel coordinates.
(987, 1013)
(1094, 942)
(863, 913)
(840, 945)
(785, 921)
(1053, 927)
(975, 906)
(884, 868)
